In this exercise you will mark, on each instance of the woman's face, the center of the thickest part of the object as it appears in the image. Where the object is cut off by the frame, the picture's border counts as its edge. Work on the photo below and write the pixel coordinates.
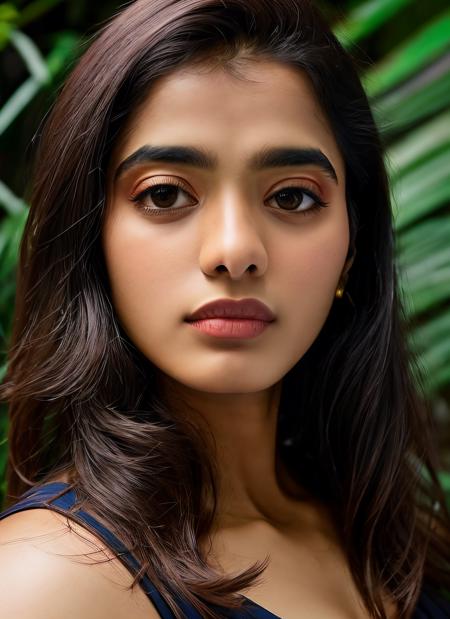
(226, 228)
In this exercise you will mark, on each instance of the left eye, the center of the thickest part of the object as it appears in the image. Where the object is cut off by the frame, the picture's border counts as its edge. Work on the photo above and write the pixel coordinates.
(162, 196)
(291, 198)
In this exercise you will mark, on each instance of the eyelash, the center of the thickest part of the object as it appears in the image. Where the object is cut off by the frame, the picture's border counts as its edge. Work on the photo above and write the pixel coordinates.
(139, 199)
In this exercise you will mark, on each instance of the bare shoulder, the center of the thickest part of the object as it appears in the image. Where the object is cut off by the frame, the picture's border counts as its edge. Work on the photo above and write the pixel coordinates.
(50, 568)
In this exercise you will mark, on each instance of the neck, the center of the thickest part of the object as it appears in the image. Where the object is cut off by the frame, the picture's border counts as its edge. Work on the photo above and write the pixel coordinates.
(240, 431)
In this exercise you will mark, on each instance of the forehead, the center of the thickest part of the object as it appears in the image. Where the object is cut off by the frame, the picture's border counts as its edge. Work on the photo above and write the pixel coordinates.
(268, 104)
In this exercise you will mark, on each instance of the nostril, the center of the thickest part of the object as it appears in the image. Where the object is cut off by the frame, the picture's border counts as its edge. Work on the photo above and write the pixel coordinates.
(222, 268)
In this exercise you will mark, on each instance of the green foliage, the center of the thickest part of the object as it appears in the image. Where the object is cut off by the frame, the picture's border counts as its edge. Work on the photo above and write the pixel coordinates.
(8, 16)
(366, 18)
(412, 56)
(409, 89)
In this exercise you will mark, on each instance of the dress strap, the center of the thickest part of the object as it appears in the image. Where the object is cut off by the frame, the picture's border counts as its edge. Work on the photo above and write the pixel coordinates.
(42, 497)
(61, 497)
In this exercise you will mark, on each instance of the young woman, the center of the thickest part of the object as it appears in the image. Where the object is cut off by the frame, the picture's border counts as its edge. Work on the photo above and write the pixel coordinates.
(212, 407)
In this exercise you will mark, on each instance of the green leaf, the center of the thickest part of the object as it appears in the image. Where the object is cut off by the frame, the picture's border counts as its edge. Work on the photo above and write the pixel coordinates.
(425, 269)
(410, 57)
(10, 202)
(429, 138)
(17, 102)
(64, 48)
(439, 379)
(366, 18)
(437, 356)
(8, 12)
(430, 295)
(424, 274)
(433, 331)
(421, 191)
(417, 242)
(11, 231)
(31, 56)
(425, 94)
(444, 478)
(5, 31)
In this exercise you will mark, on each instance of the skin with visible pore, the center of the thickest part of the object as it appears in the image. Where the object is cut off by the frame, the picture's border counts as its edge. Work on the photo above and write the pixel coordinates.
(234, 230)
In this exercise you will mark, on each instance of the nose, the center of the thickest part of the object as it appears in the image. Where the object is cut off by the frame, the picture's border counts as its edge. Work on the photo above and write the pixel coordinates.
(232, 238)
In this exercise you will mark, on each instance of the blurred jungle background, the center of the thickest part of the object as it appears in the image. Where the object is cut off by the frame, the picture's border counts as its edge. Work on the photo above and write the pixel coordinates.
(403, 52)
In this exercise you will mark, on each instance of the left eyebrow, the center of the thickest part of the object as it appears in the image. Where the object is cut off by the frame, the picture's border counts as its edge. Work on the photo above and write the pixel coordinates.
(266, 158)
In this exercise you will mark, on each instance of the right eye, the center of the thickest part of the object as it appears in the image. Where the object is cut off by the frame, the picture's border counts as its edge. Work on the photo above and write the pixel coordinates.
(163, 197)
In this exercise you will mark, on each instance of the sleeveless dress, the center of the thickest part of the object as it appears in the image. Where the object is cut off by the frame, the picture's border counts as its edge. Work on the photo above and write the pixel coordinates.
(429, 606)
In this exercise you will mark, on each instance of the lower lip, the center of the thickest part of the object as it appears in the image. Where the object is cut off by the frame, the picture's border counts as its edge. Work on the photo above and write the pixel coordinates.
(236, 328)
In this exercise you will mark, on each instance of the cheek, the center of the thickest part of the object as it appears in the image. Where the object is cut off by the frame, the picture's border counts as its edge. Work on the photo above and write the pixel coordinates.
(314, 268)
(311, 266)
(153, 272)
(145, 273)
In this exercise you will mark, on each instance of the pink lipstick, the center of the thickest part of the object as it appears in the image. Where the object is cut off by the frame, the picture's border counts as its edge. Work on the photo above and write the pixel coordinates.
(228, 318)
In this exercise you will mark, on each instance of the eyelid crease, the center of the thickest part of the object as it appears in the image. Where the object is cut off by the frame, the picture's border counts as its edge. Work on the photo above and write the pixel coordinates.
(157, 181)
(174, 180)
(295, 184)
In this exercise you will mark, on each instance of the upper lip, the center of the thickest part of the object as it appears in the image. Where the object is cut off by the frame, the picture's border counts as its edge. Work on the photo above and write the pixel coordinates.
(231, 308)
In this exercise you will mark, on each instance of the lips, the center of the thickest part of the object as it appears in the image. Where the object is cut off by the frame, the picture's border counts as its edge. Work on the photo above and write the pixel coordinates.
(250, 309)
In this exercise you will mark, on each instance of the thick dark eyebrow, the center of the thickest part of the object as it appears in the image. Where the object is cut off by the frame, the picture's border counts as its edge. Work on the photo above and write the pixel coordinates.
(288, 156)
(266, 158)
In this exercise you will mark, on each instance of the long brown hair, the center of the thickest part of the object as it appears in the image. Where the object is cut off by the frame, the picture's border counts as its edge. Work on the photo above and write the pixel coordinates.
(354, 426)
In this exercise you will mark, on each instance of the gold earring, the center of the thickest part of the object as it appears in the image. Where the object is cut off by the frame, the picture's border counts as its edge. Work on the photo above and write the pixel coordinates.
(339, 292)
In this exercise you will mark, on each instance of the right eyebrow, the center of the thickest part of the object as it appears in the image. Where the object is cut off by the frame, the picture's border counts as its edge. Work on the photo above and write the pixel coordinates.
(266, 158)
(167, 154)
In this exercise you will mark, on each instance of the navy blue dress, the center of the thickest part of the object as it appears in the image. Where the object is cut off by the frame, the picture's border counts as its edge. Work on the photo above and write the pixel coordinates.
(430, 606)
